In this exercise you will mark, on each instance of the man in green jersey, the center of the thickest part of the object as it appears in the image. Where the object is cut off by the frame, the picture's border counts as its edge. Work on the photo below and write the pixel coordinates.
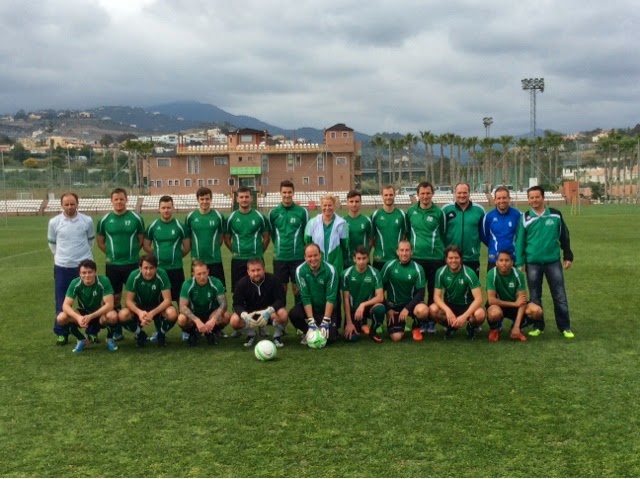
(389, 227)
(119, 235)
(360, 228)
(166, 238)
(288, 222)
(457, 297)
(206, 228)
(203, 305)
(541, 234)
(148, 298)
(404, 282)
(318, 284)
(363, 297)
(507, 298)
(247, 235)
(94, 295)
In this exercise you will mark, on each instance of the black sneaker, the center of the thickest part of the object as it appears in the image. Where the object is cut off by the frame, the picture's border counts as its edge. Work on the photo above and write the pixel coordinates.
(471, 332)
(212, 339)
(93, 338)
(141, 339)
(161, 339)
(193, 338)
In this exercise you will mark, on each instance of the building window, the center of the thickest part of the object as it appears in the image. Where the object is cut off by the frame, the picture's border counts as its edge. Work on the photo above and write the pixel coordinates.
(246, 138)
(159, 184)
(320, 163)
(264, 181)
(213, 182)
(186, 182)
(220, 160)
(345, 134)
(320, 180)
(290, 162)
(332, 134)
(193, 165)
(177, 182)
(341, 160)
(265, 163)
(164, 162)
(200, 183)
(298, 160)
(152, 183)
(231, 182)
(305, 180)
(170, 183)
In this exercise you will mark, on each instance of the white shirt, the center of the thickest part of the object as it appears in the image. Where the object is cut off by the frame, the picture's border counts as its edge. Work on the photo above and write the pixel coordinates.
(71, 239)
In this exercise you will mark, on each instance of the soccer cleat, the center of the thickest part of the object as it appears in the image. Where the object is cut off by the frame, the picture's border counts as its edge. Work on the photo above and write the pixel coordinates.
(235, 334)
(417, 335)
(277, 340)
(431, 328)
(80, 345)
(479, 329)
(185, 336)
(449, 332)
(192, 337)
(161, 339)
(534, 333)
(141, 339)
(251, 341)
(366, 329)
(111, 345)
(521, 337)
(303, 341)
(494, 335)
(61, 340)
(263, 332)
(118, 336)
(373, 334)
(154, 337)
(93, 338)
(568, 334)
(379, 330)
(406, 328)
(471, 331)
(212, 339)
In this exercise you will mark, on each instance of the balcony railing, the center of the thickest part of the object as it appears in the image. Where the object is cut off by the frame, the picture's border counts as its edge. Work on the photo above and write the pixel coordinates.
(265, 149)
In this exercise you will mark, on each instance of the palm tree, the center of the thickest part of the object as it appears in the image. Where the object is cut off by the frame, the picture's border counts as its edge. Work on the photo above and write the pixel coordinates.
(522, 147)
(553, 141)
(505, 141)
(410, 141)
(471, 144)
(447, 139)
(487, 145)
(440, 141)
(428, 139)
(378, 142)
(457, 167)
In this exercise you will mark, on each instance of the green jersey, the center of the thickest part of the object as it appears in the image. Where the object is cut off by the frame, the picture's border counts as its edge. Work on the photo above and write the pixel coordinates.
(246, 230)
(287, 231)
(317, 288)
(402, 281)
(205, 231)
(121, 237)
(506, 286)
(90, 298)
(464, 228)
(361, 286)
(540, 238)
(457, 286)
(203, 300)
(426, 229)
(167, 242)
(388, 229)
(148, 293)
(360, 232)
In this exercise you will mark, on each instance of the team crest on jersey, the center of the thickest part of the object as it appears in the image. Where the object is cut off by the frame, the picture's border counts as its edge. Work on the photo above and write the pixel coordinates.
(127, 222)
(95, 293)
(362, 226)
(208, 295)
(153, 287)
(253, 222)
(408, 276)
(429, 219)
(397, 220)
(461, 281)
(549, 222)
(173, 232)
(367, 279)
(321, 281)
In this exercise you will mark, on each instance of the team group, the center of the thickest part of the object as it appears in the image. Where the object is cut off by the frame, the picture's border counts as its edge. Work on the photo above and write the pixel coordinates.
(426, 253)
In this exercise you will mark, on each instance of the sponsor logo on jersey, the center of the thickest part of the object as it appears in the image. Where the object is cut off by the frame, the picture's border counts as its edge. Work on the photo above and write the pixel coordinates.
(429, 219)
(510, 224)
(368, 279)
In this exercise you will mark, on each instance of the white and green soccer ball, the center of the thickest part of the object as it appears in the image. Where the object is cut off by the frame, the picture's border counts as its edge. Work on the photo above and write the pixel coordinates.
(315, 339)
(265, 350)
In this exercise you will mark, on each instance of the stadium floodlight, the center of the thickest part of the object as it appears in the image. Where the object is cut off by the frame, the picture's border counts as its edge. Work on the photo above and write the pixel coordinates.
(534, 85)
(487, 121)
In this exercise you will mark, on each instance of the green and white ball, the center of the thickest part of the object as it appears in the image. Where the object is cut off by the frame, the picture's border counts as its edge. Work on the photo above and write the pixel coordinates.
(265, 350)
(315, 339)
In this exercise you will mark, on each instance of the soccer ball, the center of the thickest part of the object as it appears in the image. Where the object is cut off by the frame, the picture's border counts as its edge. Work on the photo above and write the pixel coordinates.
(265, 350)
(315, 339)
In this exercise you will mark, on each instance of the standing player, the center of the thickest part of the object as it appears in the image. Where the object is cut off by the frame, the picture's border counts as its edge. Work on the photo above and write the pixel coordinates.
(389, 227)
(167, 240)
(507, 298)
(426, 230)
(259, 292)
(404, 282)
(95, 306)
(148, 298)
(203, 305)
(542, 233)
(288, 222)
(318, 284)
(247, 235)
(363, 297)
(499, 227)
(205, 227)
(464, 224)
(119, 235)
(360, 227)
(457, 298)
(70, 236)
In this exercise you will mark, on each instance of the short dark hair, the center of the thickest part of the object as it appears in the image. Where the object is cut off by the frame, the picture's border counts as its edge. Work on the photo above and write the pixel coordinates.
(453, 249)
(287, 184)
(166, 199)
(119, 191)
(354, 193)
(243, 189)
(502, 188)
(504, 251)
(424, 184)
(203, 191)
(361, 249)
(149, 258)
(536, 188)
(255, 260)
(68, 193)
(88, 263)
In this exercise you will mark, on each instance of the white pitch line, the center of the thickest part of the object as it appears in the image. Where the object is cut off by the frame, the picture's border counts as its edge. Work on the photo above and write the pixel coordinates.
(23, 254)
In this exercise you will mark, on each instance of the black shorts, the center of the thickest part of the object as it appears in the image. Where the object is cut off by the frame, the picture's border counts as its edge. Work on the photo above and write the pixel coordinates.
(176, 277)
(459, 309)
(510, 312)
(217, 271)
(285, 271)
(238, 271)
(118, 275)
(397, 326)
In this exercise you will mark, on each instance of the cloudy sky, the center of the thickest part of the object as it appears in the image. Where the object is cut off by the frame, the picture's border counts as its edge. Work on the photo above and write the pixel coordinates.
(378, 66)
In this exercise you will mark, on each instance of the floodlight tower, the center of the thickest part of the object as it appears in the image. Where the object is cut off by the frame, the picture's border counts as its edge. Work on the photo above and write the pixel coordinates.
(534, 85)
(487, 121)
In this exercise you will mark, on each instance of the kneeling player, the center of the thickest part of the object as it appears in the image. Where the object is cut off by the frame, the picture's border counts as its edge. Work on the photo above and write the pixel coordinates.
(363, 297)
(95, 306)
(203, 305)
(507, 298)
(259, 298)
(405, 284)
(457, 297)
(148, 298)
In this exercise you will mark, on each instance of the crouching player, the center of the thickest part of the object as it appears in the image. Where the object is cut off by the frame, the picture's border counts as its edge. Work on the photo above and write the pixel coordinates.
(457, 297)
(95, 306)
(203, 305)
(363, 297)
(258, 299)
(405, 284)
(318, 285)
(148, 298)
(507, 298)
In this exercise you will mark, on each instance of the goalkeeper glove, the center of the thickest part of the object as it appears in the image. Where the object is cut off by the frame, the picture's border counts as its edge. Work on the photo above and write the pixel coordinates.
(324, 327)
(260, 319)
(266, 314)
(312, 323)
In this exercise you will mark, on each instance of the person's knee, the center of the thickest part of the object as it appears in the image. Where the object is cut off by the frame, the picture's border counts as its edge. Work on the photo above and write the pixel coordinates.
(494, 314)
(281, 316)
(533, 311)
(183, 321)
(62, 318)
(237, 322)
(171, 314)
(421, 311)
(396, 337)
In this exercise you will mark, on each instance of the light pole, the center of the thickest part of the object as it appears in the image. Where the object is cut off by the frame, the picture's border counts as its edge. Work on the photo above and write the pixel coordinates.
(487, 121)
(534, 85)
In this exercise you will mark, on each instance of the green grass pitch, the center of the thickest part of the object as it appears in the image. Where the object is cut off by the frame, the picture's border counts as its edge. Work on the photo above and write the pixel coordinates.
(547, 407)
